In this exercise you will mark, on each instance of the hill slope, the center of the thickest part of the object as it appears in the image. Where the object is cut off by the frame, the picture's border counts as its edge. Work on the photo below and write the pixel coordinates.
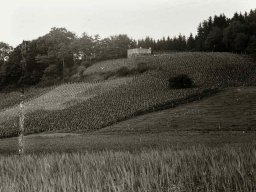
(85, 107)
(206, 69)
(60, 97)
(234, 109)
(189, 124)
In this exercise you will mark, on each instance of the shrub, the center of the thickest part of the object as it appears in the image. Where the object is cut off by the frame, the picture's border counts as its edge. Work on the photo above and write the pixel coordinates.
(108, 75)
(123, 71)
(180, 82)
(142, 67)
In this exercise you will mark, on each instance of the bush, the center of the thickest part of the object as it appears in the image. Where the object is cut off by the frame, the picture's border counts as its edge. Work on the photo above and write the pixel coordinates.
(180, 82)
(142, 67)
(123, 71)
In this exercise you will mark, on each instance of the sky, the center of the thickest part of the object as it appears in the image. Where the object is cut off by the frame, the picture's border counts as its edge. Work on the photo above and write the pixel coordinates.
(29, 19)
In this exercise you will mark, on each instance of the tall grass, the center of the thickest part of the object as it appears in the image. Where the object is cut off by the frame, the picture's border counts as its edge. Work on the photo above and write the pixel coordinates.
(191, 169)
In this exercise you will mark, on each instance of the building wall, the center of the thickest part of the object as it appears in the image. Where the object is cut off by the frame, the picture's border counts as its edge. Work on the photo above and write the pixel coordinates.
(137, 52)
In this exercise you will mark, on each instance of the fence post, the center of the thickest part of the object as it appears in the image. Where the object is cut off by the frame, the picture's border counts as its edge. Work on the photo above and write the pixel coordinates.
(22, 107)
(21, 126)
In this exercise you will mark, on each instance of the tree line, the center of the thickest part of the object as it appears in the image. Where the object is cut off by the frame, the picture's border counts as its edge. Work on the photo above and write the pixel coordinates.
(218, 33)
(54, 56)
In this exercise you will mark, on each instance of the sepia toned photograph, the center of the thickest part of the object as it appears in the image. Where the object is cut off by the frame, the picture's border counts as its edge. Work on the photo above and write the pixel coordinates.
(128, 96)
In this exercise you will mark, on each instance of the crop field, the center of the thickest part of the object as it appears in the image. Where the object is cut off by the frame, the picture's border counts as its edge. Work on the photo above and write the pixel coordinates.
(60, 97)
(10, 99)
(206, 69)
(122, 102)
(91, 106)
(110, 65)
(227, 168)
(233, 109)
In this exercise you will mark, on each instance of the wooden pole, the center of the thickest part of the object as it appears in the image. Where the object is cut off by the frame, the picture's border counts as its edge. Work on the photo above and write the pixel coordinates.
(22, 107)
(63, 69)
(21, 119)
(21, 126)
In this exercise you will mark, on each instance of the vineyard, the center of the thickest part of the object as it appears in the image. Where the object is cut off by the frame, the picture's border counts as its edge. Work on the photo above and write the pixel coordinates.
(61, 97)
(91, 106)
(110, 65)
(100, 110)
(231, 110)
(9, 99)
(222, 68)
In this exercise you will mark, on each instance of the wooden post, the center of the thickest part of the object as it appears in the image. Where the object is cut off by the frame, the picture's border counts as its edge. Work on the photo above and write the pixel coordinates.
(22, 107)
(21, 126)
(63, 69)
(220, 125)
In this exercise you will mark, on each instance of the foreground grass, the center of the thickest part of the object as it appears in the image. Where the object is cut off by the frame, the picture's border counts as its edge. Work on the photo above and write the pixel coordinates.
(198, 168)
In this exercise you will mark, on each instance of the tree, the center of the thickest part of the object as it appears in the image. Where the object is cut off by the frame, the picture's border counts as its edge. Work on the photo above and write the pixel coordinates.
(5, 51)
(115, 46)
(58, 42)
(191, 43)
(200, 38)
(241, 42)
(214, 40)
(83, 48)
(11, 70)
(220, 21)
(251, 47)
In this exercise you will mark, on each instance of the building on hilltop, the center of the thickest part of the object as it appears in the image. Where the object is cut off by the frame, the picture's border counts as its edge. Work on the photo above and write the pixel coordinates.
(138, 51)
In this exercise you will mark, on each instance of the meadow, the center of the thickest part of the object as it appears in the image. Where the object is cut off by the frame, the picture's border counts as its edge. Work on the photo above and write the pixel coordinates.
(227, 168)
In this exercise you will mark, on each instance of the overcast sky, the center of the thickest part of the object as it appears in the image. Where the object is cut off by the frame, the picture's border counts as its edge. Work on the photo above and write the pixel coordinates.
(29, 19)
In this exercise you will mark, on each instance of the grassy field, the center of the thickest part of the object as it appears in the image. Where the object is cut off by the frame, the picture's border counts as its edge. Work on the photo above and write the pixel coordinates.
(94, 142)
(207, 169)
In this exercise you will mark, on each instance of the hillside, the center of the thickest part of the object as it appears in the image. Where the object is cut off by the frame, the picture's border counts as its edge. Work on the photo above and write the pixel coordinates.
(206, 69)
(58, 98)
(9, 99)
(214, 121)
(233, 109)
(91, 106)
